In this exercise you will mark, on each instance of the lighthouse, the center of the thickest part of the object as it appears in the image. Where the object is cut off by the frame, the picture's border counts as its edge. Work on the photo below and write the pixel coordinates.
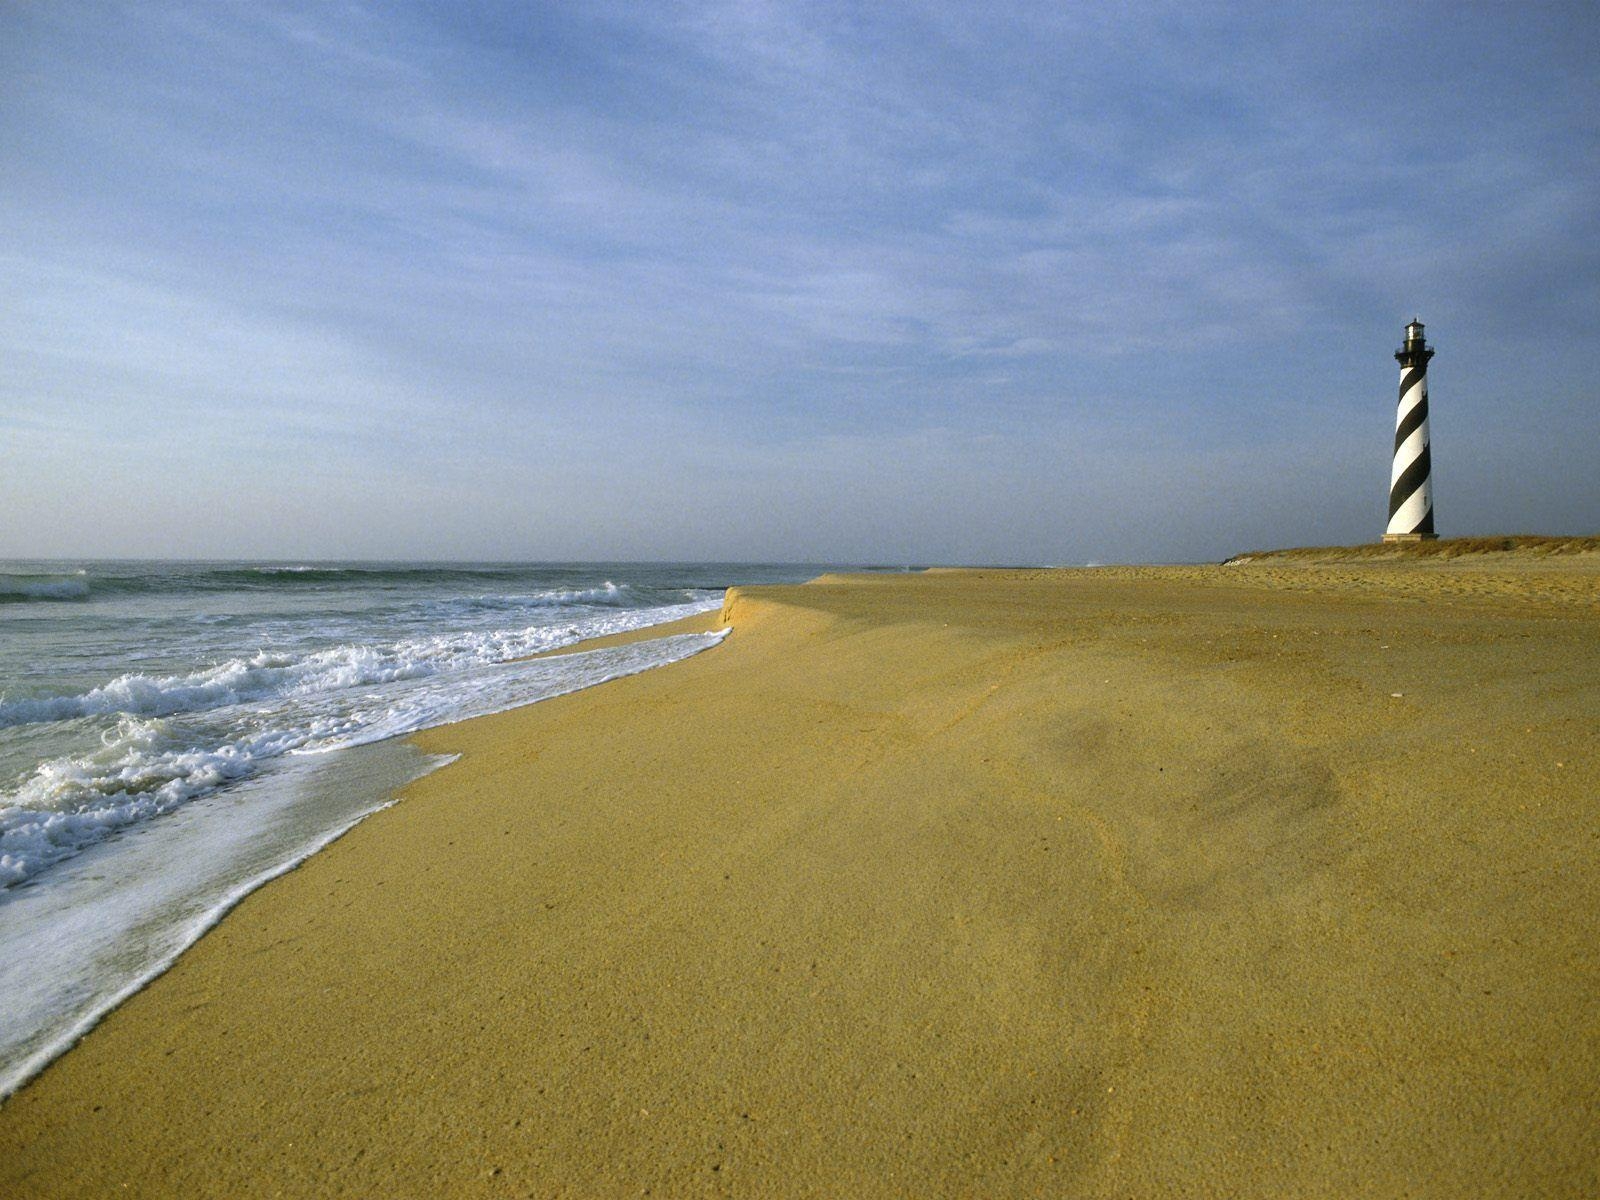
(1410, 485)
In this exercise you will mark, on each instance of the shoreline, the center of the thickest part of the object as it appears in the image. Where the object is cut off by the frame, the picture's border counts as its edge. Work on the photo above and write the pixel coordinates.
(1119, 881)
(706, 622)
(159, 925)
(370, 778)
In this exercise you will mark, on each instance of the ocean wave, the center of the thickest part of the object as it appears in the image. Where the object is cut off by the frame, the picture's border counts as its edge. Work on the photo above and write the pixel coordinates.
(307, 573)
(606, 595)
(142, 771)
(111, 580)
(266, 675)
(147, 766)
(302, 575)
(507, 585)
(22, 589)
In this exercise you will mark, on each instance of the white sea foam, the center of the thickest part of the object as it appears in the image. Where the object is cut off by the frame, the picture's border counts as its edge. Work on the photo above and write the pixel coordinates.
(141, 772)
(268, 674)
(606, 592)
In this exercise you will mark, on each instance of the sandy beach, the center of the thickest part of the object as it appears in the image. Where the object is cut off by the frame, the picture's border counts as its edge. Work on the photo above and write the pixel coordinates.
(1272, 879)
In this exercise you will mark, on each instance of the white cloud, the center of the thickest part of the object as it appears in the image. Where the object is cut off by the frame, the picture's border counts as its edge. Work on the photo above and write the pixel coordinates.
(595, 249)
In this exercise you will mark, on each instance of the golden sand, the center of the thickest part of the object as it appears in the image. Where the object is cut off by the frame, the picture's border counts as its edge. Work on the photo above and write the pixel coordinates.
(1261, 880)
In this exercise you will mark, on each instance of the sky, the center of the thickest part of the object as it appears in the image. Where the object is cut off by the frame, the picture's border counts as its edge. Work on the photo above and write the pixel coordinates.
(878, 282)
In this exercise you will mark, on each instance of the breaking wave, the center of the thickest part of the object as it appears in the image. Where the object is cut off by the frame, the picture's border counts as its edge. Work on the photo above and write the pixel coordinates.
(109, 581)
(22, 589)
(166, 739)
(267, 674)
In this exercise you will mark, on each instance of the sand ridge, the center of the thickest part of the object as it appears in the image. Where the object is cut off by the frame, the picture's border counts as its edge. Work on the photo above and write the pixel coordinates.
(1268, 881)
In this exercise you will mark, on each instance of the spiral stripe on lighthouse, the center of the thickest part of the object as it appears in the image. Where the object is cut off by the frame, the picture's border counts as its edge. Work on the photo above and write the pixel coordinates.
(1411, 488)
(1413, 388)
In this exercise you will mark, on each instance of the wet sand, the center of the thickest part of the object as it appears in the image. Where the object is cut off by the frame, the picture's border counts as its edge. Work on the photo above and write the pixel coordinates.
(1258, 880)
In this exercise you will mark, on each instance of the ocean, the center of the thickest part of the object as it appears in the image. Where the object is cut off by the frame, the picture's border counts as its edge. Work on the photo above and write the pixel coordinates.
(174, 734)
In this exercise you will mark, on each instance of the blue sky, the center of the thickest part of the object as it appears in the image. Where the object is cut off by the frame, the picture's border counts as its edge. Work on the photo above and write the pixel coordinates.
(887, 282)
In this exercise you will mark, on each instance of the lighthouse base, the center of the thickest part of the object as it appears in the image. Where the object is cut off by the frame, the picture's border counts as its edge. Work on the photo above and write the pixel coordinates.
(1410, 537)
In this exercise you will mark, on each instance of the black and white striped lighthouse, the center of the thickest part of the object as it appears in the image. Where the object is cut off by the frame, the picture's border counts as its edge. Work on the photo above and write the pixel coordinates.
(1410, 485)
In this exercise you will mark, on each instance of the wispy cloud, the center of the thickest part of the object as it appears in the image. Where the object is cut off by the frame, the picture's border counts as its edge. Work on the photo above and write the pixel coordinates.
(614, 245)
